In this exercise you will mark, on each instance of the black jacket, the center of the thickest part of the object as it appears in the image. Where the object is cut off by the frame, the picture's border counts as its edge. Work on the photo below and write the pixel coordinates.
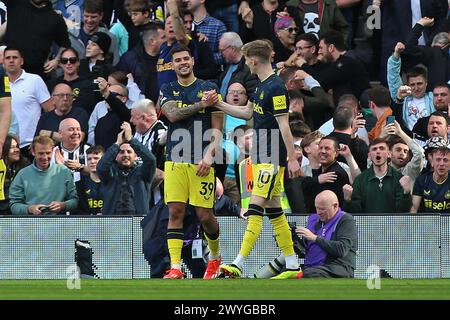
(102, 69)
(205, 67)
(312, 187)
(108, 127)
(317, 108)
(143, 68)
(345, 76)
(263, 23)
(434, 58)
(33, 30)
(242, 75)
(357, 146)
(139, 178)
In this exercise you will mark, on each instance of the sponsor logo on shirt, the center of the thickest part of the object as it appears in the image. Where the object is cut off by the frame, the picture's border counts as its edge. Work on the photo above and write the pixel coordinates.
(279, 102)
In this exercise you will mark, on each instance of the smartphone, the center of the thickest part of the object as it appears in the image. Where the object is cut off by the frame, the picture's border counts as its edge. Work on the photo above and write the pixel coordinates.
(45, 209)
(390, 119)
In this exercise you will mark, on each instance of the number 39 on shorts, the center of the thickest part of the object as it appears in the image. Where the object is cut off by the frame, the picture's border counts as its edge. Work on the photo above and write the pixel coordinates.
(207, 189)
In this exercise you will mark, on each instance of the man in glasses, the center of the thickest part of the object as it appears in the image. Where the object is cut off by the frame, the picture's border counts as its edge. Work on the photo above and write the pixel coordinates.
(62, 98)
(307, 53)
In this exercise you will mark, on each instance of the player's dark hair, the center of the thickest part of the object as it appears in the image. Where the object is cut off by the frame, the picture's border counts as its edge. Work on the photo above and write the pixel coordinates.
(179, 48)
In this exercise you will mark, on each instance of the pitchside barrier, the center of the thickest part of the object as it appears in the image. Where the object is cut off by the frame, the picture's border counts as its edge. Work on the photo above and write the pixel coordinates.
(402, 246)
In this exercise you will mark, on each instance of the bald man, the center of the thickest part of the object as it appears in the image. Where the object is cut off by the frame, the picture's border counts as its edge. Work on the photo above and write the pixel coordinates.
(71, 151)
(328, 243)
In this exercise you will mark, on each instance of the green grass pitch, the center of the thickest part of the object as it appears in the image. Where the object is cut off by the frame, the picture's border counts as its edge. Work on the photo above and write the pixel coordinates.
(223, 289)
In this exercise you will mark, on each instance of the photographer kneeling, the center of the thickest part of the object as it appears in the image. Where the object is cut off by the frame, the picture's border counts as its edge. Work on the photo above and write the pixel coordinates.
(328, 243)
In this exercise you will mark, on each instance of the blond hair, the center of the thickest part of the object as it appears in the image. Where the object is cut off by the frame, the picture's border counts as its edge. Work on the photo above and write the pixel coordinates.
(259, 49)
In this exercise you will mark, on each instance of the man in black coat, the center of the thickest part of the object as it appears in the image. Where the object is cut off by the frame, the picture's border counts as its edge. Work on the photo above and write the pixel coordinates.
(329, 176)
(33, 26)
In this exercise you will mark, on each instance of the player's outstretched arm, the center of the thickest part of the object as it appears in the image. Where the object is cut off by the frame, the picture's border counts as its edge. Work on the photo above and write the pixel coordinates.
(242, 112)
(174, 113)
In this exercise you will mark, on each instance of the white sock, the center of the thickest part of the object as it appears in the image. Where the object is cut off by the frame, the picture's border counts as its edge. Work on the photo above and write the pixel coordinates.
(292, 262)
(176, 266)
(239, 261)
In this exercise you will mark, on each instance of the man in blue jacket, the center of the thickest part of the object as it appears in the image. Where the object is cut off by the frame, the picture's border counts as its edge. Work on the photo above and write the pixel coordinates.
(127, 184)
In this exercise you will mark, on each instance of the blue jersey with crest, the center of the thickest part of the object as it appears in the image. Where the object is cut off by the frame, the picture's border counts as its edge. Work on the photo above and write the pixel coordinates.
(435, 197)
(270, 100)
(186, 139)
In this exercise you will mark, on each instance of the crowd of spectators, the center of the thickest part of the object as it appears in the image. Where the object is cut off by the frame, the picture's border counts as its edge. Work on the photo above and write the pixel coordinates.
(368, 104)
(97, 64)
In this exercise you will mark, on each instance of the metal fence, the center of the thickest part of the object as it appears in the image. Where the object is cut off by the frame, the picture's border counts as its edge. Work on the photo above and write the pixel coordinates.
(404, 246)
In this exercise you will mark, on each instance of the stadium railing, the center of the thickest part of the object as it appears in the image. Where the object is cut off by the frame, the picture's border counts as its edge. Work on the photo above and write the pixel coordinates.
(402, 246)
